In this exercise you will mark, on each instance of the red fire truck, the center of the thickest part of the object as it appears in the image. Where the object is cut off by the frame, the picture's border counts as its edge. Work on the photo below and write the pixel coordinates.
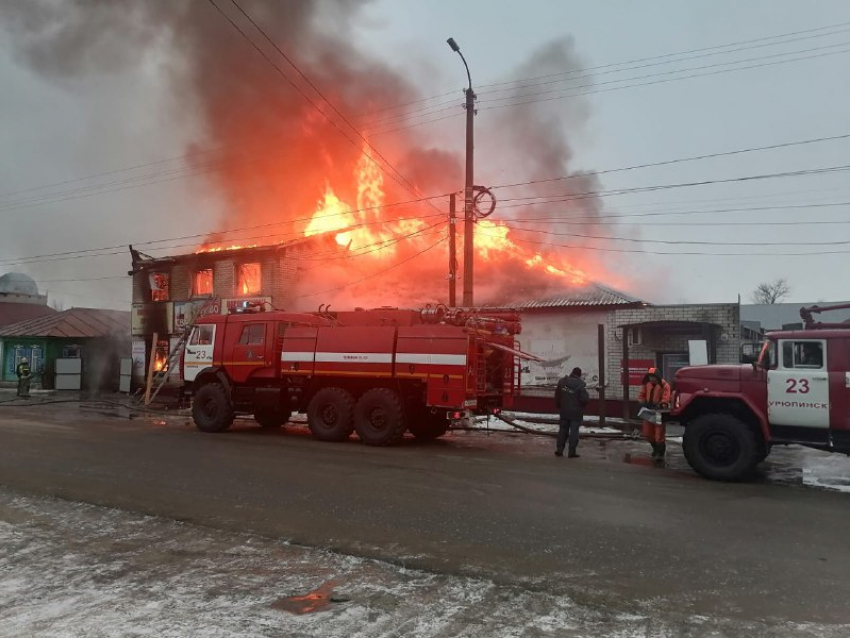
(377, 372)
(796, 392)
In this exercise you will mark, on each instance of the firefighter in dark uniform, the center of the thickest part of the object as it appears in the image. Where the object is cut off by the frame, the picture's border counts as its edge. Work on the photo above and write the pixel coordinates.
(24, 377)
(570, 398)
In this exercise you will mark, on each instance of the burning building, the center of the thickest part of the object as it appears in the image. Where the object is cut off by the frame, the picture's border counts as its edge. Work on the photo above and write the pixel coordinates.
(170, 292)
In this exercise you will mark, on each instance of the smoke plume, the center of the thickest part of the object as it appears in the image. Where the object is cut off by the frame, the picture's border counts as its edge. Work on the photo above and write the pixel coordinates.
(271, 155)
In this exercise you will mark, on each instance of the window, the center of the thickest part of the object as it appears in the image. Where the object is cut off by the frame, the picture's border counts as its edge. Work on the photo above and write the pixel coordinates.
(159, 282)
(202, 285)
(802, 354)
(249, 280)
(202, 336)
(71, 352)
(253, 334)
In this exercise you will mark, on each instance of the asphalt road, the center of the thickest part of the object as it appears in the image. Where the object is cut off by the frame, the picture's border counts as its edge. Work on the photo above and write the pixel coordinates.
(606, 533)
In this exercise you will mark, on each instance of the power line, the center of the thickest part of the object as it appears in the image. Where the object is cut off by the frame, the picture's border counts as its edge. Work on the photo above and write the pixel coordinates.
(569, 197)
(435, 108)
(677, 241)
(669, 72)
(654, 252)
(630, 62)
(644, 66)
(401, 180)
(375, 274)
(594, 218)
(244, 228)
(92, 190)
(546, 200)
(679, 160)
(663, 81)
(670, 55)
(107, 173)
(613, 88)
(549, 199)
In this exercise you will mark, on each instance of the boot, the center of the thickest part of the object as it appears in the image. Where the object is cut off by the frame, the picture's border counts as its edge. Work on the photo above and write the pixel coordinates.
(572, 454)
(655, 451)
(662, 450)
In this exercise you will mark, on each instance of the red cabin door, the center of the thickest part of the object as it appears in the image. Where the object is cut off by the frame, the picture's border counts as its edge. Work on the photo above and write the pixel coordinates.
(251, 351)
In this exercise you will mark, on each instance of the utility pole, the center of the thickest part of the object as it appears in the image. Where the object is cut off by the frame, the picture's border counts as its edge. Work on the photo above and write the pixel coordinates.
(452, 251)
(468, 200)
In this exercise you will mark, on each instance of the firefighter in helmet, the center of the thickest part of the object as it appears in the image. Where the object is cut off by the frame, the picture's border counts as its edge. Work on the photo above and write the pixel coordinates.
(654, 394)
(24, 374)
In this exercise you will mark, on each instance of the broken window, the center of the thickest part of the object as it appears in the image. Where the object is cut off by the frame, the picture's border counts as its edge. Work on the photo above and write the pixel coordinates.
(249, 279)
(203, 283)
(159, 282)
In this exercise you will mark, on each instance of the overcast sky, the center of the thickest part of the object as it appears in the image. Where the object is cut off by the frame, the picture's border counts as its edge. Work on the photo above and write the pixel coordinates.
(52, 131)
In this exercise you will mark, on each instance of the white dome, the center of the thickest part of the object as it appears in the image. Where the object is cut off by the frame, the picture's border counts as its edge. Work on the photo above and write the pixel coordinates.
(18, 283)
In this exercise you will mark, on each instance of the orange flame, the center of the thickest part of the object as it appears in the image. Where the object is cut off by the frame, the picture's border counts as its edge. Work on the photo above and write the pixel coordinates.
(331, 214)
(366, 228)
(216, 249)
(492, 242)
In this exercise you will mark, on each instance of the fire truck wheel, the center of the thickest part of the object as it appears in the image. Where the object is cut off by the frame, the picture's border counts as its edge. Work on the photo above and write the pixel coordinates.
(330, 415)
(379, 417)
(428, 427)
(271, 418)
(721, 447)
(211, 408)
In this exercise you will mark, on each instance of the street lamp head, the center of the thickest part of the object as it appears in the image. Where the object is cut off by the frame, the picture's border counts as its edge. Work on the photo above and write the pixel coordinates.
(453, 45)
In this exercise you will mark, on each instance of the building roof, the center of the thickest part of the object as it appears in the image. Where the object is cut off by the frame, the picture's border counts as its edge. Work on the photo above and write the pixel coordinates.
(15, 312)
(774, 316)
(591, 295)
(76, 323)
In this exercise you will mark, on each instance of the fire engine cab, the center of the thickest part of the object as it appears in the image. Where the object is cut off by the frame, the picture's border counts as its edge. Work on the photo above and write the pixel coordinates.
(796, 392)
(378, 372)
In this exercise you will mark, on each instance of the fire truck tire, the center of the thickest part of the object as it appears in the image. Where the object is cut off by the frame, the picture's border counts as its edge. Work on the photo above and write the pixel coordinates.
(211, 408)
(379, 417)
(330, 415)
(270, 419)
(721, 447)
(427, 427)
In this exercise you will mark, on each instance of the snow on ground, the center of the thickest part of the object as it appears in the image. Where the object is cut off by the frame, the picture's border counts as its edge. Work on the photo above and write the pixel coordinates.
(70, 569)
(827, 471)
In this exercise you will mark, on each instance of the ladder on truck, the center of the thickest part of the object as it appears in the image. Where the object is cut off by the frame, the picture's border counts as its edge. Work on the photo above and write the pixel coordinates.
(174, 355)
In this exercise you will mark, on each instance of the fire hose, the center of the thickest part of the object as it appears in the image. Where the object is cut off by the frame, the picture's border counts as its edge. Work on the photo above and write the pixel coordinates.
(594, 435)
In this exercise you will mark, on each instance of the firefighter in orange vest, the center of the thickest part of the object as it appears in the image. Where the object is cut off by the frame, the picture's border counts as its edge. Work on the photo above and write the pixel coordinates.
(654, 394)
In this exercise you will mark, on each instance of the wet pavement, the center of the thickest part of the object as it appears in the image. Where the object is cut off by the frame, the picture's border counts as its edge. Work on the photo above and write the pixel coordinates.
(257, 533)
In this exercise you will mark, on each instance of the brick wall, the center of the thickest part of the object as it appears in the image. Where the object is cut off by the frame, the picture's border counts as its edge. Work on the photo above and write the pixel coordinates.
(278, 268)
(725, 339)
(224, 278)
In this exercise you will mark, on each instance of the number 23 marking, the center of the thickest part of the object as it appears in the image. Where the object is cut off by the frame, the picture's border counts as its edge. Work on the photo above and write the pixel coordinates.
(793, 385)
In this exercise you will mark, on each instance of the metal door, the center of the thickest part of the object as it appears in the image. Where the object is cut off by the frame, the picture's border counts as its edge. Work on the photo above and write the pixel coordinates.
(249, 351)
(125, 374)
(199, 351)
(69, 373)
(798, 389)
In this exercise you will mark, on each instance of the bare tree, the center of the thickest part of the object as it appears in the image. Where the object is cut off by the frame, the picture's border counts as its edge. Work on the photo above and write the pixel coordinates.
(771, 292)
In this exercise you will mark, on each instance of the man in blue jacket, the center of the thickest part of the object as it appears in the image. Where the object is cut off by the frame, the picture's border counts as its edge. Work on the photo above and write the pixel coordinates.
(571, 397)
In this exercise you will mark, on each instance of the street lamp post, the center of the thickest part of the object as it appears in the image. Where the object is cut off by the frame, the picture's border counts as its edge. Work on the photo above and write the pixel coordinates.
(468, 204)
